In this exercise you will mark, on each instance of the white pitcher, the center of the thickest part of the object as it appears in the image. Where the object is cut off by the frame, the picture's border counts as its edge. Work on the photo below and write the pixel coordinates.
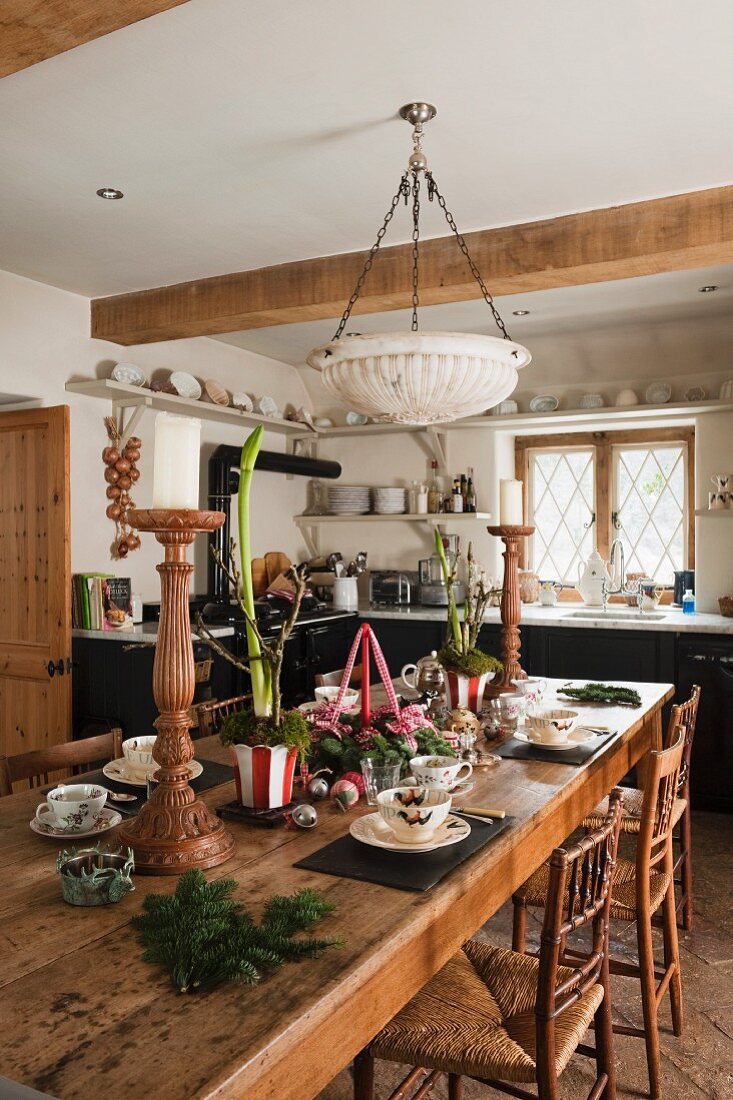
(591, 575)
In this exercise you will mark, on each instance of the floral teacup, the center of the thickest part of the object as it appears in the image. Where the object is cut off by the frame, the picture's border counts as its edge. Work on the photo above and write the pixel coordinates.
(532, 689)
(438, 772)
(139, 754)
(76, 807)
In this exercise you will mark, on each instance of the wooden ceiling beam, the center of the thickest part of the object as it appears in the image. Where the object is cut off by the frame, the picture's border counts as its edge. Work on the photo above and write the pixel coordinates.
(642, 238)
(34, 30)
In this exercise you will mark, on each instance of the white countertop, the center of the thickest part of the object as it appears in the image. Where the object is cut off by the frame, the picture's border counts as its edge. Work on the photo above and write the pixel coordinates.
(145, 634)
(562, 615)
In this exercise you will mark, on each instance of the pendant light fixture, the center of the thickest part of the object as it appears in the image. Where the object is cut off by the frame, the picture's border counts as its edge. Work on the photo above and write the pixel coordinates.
(419, 377)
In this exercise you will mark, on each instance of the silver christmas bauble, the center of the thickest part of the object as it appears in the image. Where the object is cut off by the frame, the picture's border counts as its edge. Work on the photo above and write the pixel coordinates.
(305, 816)
(318, 787)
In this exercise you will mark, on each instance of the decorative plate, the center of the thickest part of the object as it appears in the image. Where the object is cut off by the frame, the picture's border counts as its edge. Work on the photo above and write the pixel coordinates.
(658, 393)
(579, 736)
(243, 402)
(117, 770)
(129, 374)
(695, 393)
(543, 403)
(216, 392)
(186, 384)
(372, 830)
(109, 818)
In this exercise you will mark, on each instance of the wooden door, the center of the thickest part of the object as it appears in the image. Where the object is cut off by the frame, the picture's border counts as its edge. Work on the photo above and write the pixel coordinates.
(35, 580)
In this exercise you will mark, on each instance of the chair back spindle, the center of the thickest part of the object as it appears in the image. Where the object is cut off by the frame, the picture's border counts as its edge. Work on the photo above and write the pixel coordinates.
(212, 715)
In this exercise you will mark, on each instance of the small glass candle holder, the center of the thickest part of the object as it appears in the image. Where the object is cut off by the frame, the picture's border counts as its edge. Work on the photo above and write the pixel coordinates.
(467, 741)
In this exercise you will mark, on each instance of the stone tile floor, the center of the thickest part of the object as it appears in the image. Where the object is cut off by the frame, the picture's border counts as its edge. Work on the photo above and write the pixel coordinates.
(697, 1066)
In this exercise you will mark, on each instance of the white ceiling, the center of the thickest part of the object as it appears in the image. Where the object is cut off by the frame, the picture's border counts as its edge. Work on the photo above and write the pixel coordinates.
(248, 134)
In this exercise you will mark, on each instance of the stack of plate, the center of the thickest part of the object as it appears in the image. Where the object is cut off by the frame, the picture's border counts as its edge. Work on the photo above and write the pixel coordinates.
(388, 501)
(348, 500)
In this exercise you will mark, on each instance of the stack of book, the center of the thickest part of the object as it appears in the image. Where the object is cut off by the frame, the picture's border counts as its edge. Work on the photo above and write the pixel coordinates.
(100, 601)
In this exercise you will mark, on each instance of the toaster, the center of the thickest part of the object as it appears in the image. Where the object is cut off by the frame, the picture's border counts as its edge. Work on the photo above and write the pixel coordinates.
(390, 588)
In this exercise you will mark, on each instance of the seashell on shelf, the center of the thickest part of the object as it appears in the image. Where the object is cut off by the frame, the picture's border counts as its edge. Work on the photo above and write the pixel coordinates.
(129, 374)
(243, 402)
(185, 384)
(164, 387)
(216, 392)
(266, 406)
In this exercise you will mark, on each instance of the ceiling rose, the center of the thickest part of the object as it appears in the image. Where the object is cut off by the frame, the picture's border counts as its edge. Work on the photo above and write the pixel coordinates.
(419, 377)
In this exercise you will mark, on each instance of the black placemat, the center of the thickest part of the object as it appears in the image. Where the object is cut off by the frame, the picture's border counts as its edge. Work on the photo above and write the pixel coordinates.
(212, 775)
(349, 858)
(522, 750)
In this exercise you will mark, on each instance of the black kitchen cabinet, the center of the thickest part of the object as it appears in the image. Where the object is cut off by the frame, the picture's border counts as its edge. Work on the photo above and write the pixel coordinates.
(571, 652)
(113, 680)
(404, 641)
(707, 660)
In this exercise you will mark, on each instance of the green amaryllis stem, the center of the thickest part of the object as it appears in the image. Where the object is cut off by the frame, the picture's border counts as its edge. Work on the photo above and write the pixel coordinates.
(453, 619)
(259, 670)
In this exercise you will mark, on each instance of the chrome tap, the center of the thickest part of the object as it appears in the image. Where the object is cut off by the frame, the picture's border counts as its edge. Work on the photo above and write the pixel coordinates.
(616, 585)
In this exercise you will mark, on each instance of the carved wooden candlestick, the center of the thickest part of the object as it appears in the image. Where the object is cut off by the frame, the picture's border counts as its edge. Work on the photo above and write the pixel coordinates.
(511, 609)
(175, 830)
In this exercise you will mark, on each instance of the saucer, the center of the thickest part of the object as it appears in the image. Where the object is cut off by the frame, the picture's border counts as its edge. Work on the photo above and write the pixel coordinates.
(118, 770)
(372, 830)
(110, 818)
(463, 786)
(579, 736)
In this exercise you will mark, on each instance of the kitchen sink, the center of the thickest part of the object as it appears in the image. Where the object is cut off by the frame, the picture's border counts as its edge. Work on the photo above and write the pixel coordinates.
(618, 616)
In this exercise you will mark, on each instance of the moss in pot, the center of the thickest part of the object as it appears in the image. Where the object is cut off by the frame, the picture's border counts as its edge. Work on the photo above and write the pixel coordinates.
(468, 669)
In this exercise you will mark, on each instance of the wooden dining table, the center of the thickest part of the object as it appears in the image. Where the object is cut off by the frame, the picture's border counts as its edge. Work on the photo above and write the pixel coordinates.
(82, 1015)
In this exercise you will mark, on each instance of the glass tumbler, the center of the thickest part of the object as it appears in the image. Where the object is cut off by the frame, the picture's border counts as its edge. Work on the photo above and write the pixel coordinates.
(378, 778)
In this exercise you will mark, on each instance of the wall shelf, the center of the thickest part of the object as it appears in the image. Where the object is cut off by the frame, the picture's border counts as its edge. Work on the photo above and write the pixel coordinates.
(310, 525)
(717, 512)
(134, 400)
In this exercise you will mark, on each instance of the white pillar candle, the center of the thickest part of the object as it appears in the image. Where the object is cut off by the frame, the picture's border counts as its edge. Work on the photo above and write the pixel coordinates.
(176, 461)
(511, 511)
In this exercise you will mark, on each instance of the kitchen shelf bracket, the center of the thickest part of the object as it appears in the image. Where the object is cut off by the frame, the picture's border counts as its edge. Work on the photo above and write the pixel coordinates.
(126, 424)
(301, 446)
(311, 539)
(436, 443)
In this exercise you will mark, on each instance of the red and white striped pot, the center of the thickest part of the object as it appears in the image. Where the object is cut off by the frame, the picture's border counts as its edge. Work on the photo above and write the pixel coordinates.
(466, 691)
(264, 775)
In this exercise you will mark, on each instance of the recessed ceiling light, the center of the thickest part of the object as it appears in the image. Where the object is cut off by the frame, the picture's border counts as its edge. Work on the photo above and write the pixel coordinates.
(520, 312)
(109, 193)
(707, 289)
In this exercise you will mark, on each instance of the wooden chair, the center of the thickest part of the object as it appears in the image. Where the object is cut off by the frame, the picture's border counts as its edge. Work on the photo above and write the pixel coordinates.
(640, 888)
(71, 757)
(682, 714)
(506, 1019)
(211, 715)
(333, 679)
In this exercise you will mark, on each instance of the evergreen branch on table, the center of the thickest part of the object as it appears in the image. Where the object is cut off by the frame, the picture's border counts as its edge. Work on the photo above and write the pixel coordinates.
(601, 693)
(203, 937)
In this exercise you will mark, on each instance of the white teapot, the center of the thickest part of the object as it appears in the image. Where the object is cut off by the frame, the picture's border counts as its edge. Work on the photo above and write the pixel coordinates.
(591, 575)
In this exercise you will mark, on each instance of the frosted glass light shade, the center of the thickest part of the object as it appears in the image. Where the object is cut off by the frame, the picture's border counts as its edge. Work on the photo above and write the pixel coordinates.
(419, 377)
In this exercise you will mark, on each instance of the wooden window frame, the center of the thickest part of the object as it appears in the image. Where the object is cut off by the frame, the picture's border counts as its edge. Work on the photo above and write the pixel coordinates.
(602, 443)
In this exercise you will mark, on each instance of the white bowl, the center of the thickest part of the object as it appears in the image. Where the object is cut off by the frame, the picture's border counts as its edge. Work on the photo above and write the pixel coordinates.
(413, 813)
(330, 695)
(139, 753)
(543, 403)
(551, 726)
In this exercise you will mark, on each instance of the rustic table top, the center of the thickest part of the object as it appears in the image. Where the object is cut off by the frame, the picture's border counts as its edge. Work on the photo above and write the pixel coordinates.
(82, 1015)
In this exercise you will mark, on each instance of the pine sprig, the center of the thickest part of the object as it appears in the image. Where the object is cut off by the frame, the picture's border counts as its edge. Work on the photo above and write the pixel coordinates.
(602, 693)
(203, 937)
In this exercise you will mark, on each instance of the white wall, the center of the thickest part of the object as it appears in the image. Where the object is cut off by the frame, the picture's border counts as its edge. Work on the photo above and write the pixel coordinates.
(44, 342)
(714, 534)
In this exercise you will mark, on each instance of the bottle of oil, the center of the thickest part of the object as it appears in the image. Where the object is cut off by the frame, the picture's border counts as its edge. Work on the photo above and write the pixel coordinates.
(435, 493)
